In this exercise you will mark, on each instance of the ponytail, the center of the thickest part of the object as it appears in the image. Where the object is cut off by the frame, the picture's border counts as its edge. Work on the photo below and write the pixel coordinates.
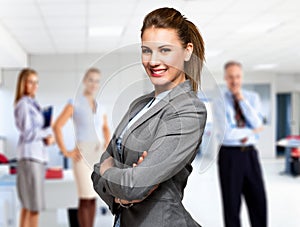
(193, 67)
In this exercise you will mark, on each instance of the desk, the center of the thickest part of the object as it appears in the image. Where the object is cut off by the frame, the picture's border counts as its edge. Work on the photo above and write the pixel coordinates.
(60, 194)
(9, 204)
(289, 143)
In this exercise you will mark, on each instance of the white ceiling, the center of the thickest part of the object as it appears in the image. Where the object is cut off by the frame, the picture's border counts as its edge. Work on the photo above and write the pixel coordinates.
(259, 33)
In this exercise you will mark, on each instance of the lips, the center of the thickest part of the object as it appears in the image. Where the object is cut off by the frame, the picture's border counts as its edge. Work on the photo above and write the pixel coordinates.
(157, 72)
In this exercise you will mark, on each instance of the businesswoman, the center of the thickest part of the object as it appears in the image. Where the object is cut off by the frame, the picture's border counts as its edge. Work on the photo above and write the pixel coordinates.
(31, 153)
(168, 124)
(84, 111)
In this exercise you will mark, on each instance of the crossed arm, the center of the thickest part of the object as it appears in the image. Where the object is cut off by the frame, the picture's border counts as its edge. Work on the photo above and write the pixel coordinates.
(174, 146)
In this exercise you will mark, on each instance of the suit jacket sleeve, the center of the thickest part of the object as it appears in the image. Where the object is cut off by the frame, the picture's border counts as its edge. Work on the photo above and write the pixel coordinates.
(177, 138)
(100, 182)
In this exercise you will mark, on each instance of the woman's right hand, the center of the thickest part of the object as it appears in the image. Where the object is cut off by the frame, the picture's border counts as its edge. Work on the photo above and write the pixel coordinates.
(74, 154)
(49, 140)
(141, 159)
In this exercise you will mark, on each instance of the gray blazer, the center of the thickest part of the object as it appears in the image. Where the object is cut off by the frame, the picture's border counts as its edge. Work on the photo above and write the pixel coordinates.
(171, 132)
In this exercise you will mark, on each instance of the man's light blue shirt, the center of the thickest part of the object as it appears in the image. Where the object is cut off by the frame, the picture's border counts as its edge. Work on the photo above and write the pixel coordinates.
(251, 109)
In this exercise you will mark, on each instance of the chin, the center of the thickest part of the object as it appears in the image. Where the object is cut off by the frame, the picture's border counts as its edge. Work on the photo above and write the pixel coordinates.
(92, 91)
(159, 81)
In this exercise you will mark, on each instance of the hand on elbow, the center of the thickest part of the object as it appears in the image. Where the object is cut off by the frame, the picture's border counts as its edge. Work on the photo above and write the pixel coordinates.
(258, 130)
(141, 159)
(74, 154)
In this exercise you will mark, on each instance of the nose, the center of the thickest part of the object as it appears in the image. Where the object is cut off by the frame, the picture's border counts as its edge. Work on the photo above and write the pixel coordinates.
(154, 61)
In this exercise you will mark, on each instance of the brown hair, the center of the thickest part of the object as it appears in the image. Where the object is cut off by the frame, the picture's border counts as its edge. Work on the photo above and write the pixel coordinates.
(232, 63)
(187, 33)
(91, 70)
(20, 89)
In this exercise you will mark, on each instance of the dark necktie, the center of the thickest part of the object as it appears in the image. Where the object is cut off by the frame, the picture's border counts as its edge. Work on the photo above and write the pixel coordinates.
(239, 117)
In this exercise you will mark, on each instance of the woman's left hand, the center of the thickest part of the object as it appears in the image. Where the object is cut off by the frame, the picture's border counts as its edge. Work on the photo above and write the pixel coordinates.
(126, 202)
(106, 164)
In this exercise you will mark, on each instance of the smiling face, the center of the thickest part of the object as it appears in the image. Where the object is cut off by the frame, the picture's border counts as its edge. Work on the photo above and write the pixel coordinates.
(31, 85)
(233, 78)
(163, 57)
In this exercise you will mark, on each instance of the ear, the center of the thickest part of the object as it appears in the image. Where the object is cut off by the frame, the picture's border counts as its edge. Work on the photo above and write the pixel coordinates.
(188, 51)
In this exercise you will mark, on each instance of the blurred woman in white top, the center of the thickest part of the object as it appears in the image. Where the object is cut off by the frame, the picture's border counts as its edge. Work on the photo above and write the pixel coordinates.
(92, 136)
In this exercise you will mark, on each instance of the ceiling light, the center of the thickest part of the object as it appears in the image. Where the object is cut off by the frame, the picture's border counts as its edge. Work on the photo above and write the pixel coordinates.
(105, 31)
(264, 66)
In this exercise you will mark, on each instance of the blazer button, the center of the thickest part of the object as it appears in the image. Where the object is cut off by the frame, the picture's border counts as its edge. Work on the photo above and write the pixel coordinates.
(104, 189)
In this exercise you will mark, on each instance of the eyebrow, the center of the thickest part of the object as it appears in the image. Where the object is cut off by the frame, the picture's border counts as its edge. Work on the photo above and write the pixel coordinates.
(33, 80)
(166, 45)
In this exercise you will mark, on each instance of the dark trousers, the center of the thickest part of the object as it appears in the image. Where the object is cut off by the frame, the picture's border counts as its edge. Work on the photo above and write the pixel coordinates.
(240, 174)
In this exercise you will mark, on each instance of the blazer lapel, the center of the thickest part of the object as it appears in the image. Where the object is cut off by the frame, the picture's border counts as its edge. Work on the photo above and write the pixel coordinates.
(182, 88)
(137, 107)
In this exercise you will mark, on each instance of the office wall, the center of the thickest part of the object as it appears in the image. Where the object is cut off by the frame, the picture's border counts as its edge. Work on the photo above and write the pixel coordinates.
(60, 77)
(45, 95)
(286, 83)
(7, 129)
(290, 83)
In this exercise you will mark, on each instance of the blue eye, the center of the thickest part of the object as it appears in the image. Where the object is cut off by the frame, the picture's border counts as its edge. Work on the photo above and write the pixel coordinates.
(146, 51)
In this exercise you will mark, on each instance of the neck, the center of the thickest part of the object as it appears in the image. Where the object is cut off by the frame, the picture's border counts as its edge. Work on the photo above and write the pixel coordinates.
(170, 85)
(88, 94)
(30, 95)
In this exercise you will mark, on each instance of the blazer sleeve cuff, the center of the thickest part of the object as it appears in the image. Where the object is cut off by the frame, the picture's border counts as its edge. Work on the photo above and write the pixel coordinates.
(101, 188)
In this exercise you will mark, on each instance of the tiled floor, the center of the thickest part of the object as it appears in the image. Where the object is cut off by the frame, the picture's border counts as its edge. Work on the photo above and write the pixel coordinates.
(202, 197)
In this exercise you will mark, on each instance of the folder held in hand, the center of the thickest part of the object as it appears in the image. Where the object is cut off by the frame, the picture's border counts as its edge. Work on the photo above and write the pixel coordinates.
(47, 113)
